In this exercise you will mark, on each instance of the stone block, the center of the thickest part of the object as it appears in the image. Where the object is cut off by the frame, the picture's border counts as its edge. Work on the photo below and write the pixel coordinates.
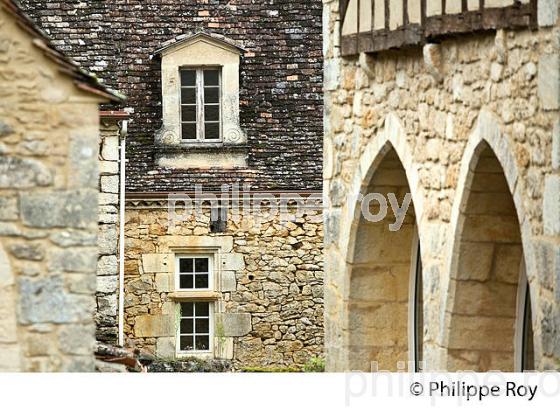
(547, 12)
(28, 251)
(234, 324)
(23, 173)
(107, 284)
(108, 167)
(74, 209)
(107, 240)
(72, 260)
(107, 305)
(475, 261)
(233, 261)
(107, 265)
(156, 262)
(224, 348)
(229, 282)
(46, 301)
(110, 149)
(165, 347)
(154, 326)
(110, 184)
(8, 208)
(549, 81)
(108, 199)
(551, 205)
(165, 282)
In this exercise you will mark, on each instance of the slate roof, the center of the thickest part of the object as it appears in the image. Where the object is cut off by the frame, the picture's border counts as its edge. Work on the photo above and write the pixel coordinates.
(281, 80)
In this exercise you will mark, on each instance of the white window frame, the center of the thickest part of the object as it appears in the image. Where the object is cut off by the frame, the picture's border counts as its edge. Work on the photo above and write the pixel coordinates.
(211, 273)
(200, 105)
(183, 353)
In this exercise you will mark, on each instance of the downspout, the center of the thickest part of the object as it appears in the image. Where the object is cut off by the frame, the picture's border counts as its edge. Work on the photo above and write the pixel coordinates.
(122, 192)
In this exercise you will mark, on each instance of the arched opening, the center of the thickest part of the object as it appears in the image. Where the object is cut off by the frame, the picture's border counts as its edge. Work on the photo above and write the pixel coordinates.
(484, 316)
(384, 259)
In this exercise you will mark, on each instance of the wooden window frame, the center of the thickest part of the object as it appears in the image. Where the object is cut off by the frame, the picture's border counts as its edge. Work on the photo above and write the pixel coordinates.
(210, 317)
(200, 105)
(211, 284)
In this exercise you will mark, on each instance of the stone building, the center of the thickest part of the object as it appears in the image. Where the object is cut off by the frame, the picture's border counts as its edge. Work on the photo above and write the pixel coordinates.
(49, 128)
(459, 108)
(219, 92)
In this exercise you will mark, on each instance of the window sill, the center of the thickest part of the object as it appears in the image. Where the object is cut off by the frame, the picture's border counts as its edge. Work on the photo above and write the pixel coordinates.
(208, 295)
(198, 147)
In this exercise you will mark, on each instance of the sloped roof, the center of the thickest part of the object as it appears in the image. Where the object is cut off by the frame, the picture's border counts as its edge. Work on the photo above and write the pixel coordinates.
(82, 78)
(186, 38)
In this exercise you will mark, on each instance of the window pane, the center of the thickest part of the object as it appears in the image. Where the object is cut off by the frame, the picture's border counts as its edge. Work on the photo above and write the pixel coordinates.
(211, 77)
(187, 326)
(202, 342)
(201, 281)
(188, 113)
(187, 343)
(186, 281)
(188, 96)
(202, 309)
(187, 309)
(189, 131)
(212, 131)
(202, 325)
(201, 265)
(212, 113)
(185, 265)
(188, 78)
(212, 95)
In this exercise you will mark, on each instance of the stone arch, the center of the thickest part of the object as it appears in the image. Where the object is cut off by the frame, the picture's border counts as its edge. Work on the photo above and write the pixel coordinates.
(490, 243)
(370, 266)
(9, 349)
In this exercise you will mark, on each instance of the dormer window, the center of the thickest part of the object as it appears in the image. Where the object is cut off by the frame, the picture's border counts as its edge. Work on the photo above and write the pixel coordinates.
(201, 109)
(200, 104)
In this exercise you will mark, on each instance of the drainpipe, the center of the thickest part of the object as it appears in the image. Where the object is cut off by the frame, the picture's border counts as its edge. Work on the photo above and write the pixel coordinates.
(122, 189)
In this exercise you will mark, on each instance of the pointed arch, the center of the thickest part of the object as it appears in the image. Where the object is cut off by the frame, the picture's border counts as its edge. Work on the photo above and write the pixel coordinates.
(387, 156)
(490, 245)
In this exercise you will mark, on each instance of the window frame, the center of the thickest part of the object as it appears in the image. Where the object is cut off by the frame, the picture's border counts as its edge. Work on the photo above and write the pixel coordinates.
(211, 273)
(183, 353)
(200, 105)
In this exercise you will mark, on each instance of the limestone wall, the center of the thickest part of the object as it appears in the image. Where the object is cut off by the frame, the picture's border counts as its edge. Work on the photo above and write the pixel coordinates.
(48, 211)
(107, 265)
(434, 107)
(270, 302)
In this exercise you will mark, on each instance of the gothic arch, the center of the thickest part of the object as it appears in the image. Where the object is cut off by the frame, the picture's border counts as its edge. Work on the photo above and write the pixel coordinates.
(386, 155)
(488, 184)
(9, 348)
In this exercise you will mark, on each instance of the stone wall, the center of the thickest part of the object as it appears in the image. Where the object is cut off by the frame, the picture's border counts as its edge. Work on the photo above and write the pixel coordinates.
(106, 317)
(48, 208)
(270, 292)
(436, 108)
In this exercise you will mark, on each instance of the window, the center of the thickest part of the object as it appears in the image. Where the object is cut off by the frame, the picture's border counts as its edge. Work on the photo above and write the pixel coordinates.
(201, 104)
(194, 273)
(194, 333)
